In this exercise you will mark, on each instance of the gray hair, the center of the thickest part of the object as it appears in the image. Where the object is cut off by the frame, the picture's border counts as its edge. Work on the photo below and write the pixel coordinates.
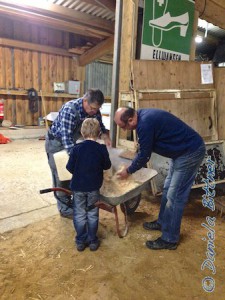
(94, 96)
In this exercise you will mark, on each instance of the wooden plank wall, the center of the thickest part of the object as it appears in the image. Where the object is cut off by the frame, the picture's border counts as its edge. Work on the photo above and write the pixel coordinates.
(195, 104)
(24, 69)
(161, 75)
(220, 88)
(197, 109)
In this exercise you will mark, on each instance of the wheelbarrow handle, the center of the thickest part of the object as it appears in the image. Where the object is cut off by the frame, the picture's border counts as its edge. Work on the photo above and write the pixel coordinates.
(57, 189)
(45, 191)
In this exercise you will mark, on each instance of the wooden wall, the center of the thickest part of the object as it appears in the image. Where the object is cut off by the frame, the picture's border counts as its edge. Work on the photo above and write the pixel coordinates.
(200, 105)
(23, 69)
(149, 74)
(197, 109)
(191, 101)
(220, 88)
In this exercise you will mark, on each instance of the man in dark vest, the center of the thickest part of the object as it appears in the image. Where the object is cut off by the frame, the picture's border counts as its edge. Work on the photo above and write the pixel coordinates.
(63, 134)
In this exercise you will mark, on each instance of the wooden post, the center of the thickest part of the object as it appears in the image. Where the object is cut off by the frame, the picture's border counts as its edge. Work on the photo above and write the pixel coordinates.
(44, 109)
(115, 76)
(128, 42)
(195, 29)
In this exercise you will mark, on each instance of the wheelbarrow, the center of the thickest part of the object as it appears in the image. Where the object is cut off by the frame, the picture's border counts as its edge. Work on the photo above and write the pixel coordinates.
(128, 198)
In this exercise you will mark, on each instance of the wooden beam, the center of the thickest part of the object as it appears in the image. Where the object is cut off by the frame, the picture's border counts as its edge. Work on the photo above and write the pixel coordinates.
(52, 22)
(108, 58)
(96, 52)
(76, 51)
(194, 34)
(128, 42)
(109, 4)
(34, 47)
(220, 99)
(212, 11)
(116, 70)
(45, 94)
(57, 11)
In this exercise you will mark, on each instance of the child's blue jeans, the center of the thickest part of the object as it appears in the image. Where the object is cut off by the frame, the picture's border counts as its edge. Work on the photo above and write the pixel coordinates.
(85, 222)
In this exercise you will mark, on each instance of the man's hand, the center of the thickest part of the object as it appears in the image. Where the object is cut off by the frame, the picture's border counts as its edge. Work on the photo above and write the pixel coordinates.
(106, 139)
(123, 174)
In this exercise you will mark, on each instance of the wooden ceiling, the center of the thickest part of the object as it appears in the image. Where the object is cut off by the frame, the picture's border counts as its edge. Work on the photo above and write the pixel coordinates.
(89, 21)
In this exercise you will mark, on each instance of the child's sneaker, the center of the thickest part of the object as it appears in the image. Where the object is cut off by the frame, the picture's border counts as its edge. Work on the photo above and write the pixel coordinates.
(81, 247)
(94, 246)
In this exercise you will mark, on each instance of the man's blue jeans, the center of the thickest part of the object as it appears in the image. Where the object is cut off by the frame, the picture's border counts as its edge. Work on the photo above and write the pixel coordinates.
(176, 190)
(85, 222)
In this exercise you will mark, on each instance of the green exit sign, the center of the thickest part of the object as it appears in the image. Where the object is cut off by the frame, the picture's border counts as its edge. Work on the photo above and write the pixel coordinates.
(167, 29)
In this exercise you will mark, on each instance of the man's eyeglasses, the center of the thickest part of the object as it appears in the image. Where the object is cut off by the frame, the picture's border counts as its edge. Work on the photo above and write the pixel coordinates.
(94, 108)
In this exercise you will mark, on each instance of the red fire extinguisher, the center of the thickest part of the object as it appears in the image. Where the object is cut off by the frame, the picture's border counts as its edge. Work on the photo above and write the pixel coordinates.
(1, 111)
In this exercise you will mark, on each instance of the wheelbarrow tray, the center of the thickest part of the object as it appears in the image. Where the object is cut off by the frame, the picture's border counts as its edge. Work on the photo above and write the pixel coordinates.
(109, 203)
(141, 178)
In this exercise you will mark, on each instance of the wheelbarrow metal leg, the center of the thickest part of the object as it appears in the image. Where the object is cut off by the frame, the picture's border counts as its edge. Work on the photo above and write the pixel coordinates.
(113, 209)
(125, 231)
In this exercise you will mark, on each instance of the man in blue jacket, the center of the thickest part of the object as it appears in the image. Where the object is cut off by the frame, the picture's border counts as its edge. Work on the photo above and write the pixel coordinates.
(161, 132)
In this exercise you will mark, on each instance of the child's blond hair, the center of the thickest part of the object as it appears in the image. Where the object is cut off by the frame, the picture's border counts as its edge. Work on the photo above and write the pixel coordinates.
(90, 128)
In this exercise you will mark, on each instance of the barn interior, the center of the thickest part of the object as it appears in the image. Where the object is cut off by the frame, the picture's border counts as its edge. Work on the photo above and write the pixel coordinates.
(58, 49)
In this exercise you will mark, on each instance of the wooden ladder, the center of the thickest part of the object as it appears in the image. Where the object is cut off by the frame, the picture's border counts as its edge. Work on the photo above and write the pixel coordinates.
(128, 140)
(125, 139)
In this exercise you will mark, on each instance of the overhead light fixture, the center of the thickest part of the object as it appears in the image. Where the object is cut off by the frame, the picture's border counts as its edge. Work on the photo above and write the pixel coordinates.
(206, 30)
(204, 24)
(198, 39)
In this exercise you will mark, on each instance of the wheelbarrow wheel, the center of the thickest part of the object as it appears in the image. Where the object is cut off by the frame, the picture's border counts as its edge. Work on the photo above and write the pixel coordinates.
(131, 205)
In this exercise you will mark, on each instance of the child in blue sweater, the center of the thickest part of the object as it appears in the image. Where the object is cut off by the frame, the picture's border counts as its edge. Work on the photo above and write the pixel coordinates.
(87, 161)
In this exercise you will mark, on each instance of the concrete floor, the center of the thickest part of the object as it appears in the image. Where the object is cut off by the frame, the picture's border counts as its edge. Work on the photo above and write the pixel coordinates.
(30, 132)
(24, 171)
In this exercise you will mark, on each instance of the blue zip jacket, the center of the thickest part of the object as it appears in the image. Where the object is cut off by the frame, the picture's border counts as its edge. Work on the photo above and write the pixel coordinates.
(163, 133)
(86, 162)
